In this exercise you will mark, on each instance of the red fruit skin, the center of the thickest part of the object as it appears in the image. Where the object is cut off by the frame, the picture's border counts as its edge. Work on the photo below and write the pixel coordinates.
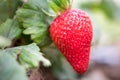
(71, 32)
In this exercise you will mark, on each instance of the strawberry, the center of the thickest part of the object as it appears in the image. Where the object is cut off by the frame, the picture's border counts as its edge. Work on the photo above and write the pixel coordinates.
(71, 32)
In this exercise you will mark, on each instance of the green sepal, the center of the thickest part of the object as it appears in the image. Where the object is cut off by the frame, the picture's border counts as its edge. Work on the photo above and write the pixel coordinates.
(59, 6)
(66, 3)
(58, 3)
(55, 8)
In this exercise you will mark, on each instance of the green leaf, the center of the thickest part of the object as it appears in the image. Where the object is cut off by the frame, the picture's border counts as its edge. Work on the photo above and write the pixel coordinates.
(4, 42)
(8, 8)
(36, 5)
(10, 69)
(35, 21)
(9, 29)
(29, 56)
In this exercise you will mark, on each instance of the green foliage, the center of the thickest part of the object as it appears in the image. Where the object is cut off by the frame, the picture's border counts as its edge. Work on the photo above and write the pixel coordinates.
(4, 42)
(10, 69)
(29, 56)
(29, 20)
(9, 30)
(8, 8)
(36, 5)
(35, 21)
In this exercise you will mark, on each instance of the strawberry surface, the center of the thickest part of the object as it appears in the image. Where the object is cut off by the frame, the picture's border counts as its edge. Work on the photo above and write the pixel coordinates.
(71, 32)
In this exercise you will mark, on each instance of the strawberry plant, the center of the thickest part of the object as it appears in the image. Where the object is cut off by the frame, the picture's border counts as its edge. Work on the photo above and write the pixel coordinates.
(27, 33)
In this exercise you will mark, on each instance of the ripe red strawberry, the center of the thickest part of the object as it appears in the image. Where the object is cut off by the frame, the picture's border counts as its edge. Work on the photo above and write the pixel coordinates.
(71, 32)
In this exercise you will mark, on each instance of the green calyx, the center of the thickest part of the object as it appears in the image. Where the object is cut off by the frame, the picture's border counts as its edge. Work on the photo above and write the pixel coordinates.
(59, 6)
